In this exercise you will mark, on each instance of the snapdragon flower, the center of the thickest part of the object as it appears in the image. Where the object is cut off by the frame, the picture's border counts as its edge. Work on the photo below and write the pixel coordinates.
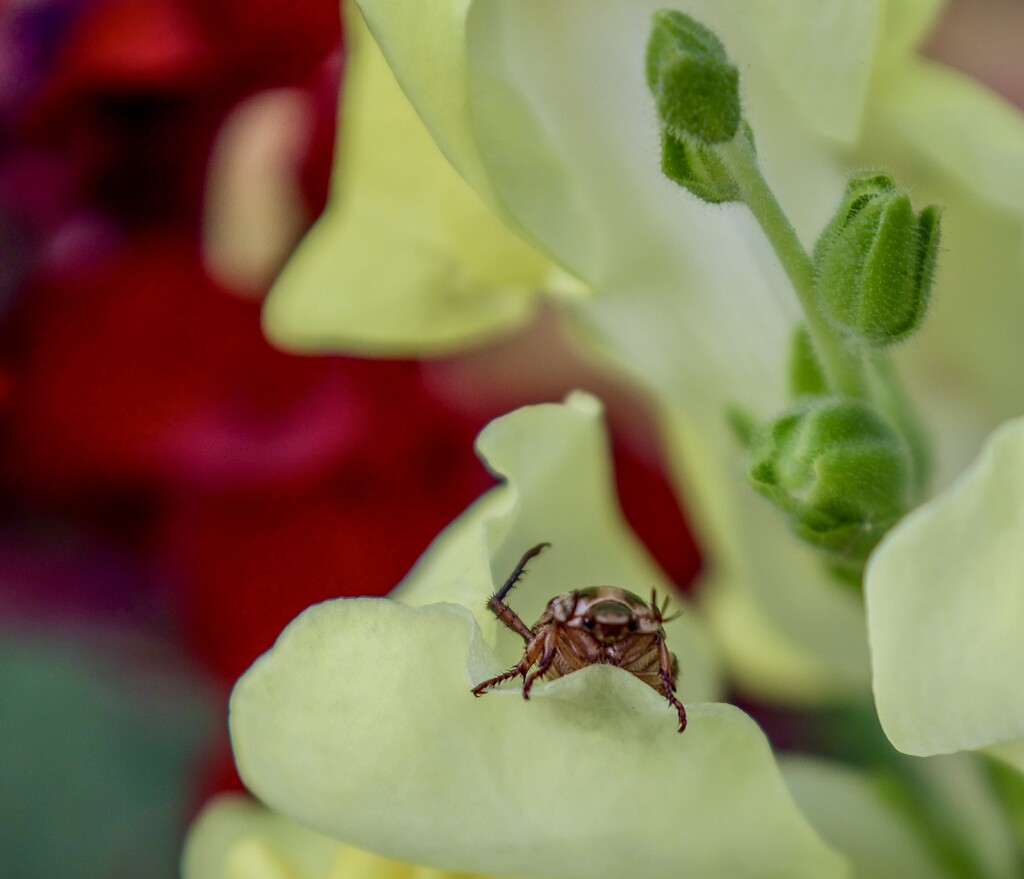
(943, 591)
(360, 722)
(562, 146)
(359, 732)
(428, 265)
(236, 838)
(945, 606)
(543, 110)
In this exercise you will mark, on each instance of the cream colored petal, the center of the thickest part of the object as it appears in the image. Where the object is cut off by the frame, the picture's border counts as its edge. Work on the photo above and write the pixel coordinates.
(360, 722)
(760, 658)
(850, 810)
(406, 259)
(945, 600)
(253, 214)
(559, 489)
(236, 838)
(962, 146)
(938, 818)
(543, 107)
(958, 125)
(905, 25)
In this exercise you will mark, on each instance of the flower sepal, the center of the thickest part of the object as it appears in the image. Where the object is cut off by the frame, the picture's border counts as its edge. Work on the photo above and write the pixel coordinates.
(806, 377)
(698, 167)
(839, 470)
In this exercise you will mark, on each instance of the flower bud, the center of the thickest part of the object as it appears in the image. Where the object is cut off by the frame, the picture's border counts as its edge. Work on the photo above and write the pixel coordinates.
(695, 87)
(698, 168)
(839, 470)
(875, 261)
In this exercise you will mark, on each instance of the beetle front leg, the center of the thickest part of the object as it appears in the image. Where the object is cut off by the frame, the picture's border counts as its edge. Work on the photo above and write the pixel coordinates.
(513, 672)
(509, 617)
(547, 656)
(530, 656)
(502, 611)
(668, 671)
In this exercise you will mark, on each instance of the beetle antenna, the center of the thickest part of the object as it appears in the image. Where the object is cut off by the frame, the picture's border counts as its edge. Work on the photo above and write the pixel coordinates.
(664, 607)
(520, 569)
(673, 616)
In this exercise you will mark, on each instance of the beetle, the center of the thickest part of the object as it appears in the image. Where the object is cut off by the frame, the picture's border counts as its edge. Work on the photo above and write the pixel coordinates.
(598, 625)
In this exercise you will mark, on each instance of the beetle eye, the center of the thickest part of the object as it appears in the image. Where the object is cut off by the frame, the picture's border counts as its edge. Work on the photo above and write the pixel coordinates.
(588, 624)
(632, 625)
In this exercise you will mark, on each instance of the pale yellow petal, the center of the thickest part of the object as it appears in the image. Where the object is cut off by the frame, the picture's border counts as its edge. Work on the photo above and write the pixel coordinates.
(945, 606)
(360, 722)
(406, 259)
(854, 814)
(236, 838)
(559, 489)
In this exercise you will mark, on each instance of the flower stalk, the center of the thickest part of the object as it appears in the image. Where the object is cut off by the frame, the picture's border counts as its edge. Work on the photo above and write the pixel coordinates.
(842, 367)
(865, 287)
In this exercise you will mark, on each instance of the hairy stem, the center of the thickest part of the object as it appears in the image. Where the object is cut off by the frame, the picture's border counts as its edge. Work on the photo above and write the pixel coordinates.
(842, 366)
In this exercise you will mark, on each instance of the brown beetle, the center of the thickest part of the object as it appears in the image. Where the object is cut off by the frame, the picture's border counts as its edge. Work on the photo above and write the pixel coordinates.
(598, 625)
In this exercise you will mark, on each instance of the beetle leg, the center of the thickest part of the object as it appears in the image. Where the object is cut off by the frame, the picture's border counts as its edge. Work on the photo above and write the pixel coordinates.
(547, 656)
(668, 670)
(502, 611)
(515, 671)
(533, 650)
(510, 618)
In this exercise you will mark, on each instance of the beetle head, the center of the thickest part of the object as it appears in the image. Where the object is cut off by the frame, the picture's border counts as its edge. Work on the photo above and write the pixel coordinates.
(611, 614)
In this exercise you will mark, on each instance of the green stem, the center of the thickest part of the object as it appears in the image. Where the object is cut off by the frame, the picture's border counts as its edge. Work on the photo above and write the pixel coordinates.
(842, 367)
(892, 399)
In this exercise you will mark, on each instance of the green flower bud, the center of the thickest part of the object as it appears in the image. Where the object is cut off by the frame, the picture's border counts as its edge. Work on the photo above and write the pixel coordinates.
(875, 261)
(840, 472)
(695, 87)
(698, 168)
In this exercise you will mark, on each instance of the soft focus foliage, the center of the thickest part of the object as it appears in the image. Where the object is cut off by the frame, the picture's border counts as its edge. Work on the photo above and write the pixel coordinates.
(99, 742)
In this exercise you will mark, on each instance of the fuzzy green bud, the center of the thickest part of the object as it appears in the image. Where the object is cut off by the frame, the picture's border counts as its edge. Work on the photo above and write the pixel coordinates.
(839, 471)
(695, 88)
(699, 168)
(875, 261)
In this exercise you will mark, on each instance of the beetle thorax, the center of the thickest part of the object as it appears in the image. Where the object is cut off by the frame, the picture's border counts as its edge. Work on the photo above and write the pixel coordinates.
(607, 613)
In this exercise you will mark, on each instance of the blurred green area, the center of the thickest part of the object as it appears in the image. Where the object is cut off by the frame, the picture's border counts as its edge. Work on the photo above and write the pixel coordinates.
(99, 738)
